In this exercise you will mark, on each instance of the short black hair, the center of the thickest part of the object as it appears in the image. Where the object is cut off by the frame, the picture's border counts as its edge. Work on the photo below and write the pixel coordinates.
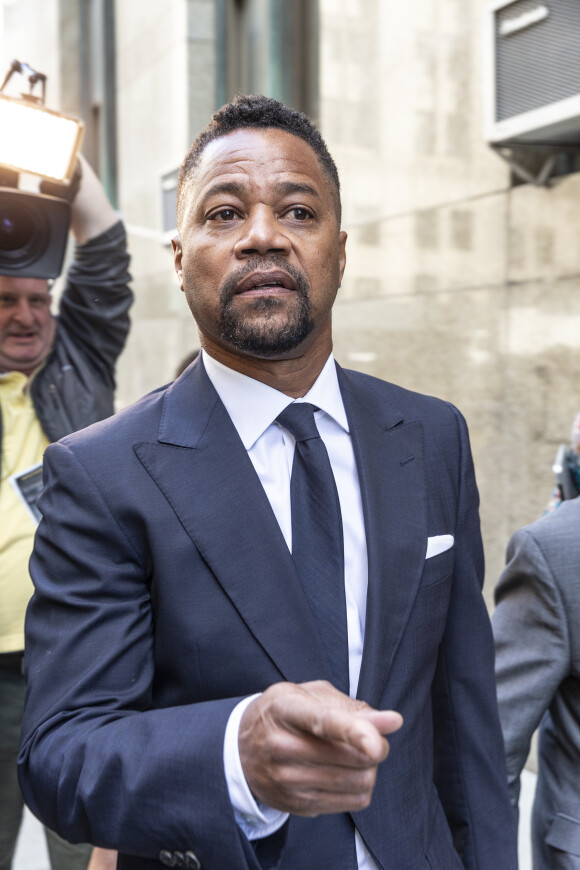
(259, 112)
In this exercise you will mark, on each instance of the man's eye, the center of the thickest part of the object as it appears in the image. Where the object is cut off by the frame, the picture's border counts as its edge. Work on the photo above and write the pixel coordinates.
(7, 301)
(39, 301)
(299, 213)
(224, 214)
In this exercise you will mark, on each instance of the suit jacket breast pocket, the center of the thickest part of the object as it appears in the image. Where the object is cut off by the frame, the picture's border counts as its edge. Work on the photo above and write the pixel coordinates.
(438, 568)
(431, 604)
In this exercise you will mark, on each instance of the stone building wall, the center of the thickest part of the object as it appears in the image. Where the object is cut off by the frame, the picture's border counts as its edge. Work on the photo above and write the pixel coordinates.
(457, 284)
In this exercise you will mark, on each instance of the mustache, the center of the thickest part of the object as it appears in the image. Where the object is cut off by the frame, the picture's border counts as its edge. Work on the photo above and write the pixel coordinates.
(228, 288)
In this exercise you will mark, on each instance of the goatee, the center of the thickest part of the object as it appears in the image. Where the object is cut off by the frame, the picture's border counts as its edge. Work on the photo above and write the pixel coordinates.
(257, 330)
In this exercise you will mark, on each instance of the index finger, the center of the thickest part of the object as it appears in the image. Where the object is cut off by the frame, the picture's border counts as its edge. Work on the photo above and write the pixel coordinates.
(336, 724)
(385, 721)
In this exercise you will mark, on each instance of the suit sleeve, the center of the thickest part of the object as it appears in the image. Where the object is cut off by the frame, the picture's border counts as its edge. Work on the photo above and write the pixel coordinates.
(98, 763)
(470, 772)
(532, 647)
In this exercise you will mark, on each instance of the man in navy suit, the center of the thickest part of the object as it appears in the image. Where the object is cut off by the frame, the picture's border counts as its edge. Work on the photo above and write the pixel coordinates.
(181, 705)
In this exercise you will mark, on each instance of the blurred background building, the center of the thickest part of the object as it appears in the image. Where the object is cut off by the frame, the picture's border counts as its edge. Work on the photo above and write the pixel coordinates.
(463, 275)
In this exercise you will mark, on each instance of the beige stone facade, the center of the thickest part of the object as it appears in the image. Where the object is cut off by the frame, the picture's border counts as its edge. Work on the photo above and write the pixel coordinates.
(457, 284)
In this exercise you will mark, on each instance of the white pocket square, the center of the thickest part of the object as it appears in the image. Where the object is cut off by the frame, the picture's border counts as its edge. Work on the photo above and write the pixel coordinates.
(438, 544)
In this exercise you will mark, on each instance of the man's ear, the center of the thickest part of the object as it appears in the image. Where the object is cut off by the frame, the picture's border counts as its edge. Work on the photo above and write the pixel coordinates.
(177, 255)
(342, 252)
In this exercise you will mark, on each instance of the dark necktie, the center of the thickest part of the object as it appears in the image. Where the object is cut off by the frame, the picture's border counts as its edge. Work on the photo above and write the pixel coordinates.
(317, 542)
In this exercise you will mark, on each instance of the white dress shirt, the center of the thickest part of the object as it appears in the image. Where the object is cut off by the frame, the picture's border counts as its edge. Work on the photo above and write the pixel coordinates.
(253, 408)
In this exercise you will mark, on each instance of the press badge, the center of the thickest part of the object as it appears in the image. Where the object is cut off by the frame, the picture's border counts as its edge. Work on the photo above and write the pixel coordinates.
(28, 486)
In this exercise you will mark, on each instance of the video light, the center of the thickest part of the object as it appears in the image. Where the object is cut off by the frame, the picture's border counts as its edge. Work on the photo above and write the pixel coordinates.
(37, 140)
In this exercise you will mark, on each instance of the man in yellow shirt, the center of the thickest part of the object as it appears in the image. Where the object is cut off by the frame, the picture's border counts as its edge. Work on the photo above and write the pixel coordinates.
(56, 376)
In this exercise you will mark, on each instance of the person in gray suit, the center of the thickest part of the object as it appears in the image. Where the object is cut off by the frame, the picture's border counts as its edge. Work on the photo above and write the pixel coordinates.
(536, 627)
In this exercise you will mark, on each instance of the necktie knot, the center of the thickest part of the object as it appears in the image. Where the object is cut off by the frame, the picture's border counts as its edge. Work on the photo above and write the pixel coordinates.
(298, 419)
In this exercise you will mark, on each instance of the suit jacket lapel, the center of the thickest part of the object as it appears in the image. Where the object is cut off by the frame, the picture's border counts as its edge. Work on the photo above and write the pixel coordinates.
(389, 456)
(202, 468)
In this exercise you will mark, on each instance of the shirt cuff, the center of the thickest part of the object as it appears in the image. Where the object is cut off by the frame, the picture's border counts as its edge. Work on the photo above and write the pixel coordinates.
(254, 818)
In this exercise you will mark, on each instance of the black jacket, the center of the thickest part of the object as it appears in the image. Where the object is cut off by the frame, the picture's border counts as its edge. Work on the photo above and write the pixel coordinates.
(76, 385)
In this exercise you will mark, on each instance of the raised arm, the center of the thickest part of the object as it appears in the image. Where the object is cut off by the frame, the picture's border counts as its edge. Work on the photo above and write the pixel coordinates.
(94, 307)
(92, 213)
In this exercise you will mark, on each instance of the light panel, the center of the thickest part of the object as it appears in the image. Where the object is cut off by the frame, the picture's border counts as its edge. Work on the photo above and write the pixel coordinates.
(37, 140)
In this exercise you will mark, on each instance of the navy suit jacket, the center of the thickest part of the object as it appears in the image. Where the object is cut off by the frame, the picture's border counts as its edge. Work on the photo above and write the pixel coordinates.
(165, 593)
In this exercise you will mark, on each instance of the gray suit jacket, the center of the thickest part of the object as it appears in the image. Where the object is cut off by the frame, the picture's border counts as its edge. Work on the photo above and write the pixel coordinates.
(536, 626)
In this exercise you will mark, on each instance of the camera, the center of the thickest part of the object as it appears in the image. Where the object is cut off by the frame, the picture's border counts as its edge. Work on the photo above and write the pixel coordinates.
(34, 227)
(33, 233)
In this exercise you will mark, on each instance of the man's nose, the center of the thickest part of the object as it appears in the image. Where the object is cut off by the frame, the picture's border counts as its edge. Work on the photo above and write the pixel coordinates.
(24, 313)
(262, 233)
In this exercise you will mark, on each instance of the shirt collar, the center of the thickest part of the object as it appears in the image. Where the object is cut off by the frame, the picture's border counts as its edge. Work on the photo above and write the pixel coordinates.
(253, 406)
(14, 382)
(8, 374)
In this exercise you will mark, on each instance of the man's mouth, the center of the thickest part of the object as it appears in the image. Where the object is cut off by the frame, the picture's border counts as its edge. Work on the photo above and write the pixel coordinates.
(266, 284)
(23, 336)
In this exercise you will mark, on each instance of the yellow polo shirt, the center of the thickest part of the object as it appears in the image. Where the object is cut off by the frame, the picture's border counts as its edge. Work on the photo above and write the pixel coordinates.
(23, 445)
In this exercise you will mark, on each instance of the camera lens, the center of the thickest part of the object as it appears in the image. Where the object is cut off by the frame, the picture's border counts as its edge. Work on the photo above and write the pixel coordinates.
(16, 228)
(33, 233)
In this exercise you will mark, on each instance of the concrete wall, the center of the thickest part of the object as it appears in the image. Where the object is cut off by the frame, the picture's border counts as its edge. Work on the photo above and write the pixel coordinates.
(38, 46)
(457, 283)
(152, 46)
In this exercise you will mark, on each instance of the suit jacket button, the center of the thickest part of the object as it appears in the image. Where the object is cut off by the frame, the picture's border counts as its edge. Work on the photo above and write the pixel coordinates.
(192, 861)
(167, 858)
(179, 859)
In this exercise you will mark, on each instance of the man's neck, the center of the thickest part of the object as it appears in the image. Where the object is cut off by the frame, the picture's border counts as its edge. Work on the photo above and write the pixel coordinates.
(292, 376)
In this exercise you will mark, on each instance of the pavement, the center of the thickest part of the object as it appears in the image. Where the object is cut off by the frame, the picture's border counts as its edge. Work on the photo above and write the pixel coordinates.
(31, 853)
(528, 781)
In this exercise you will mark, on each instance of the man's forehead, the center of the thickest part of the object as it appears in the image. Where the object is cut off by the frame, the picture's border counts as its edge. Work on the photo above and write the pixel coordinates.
(24, 286)
(245, 149)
